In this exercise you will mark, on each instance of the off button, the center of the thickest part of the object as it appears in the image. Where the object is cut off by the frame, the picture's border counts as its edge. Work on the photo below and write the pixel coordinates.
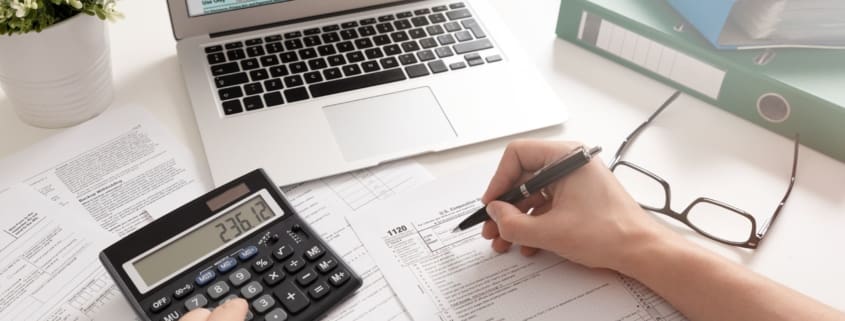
(160, 304)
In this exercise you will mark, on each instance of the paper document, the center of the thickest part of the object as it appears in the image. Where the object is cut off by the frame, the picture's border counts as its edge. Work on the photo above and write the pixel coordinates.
(325, 204)
(121, 168)
(441, 275)
(48, 265)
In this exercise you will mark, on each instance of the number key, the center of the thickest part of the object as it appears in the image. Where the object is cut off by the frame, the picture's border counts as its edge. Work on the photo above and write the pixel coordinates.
(196, 302)
(239, 277)
(251, 290)
(264, 303)
(218, 290)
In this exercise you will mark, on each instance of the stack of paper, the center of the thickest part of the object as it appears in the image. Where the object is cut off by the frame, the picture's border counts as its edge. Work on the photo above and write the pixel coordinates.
(791, 21)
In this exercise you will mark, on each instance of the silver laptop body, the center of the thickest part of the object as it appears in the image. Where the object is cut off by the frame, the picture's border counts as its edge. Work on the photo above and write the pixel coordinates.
(263, 99)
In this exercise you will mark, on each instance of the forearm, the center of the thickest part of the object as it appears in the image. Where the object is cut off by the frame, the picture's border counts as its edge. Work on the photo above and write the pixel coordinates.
(705, 286)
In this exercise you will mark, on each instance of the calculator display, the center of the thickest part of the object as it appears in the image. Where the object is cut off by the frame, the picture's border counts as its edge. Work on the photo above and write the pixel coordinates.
(217, 233)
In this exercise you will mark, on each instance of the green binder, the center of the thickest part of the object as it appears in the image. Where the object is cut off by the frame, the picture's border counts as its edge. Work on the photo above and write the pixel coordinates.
(788, 91)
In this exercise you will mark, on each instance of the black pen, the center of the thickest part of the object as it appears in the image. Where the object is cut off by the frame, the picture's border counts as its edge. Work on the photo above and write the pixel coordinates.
(542, 178)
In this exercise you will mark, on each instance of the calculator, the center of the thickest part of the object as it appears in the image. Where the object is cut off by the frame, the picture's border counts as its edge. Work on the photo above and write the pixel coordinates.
(241, 240)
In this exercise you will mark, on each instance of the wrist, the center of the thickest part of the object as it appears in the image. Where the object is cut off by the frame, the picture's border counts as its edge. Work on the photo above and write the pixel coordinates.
(646, 248)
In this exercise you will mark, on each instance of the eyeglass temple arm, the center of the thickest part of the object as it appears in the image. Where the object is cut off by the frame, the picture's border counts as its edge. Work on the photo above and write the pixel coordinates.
(771, 220)
(642, 126)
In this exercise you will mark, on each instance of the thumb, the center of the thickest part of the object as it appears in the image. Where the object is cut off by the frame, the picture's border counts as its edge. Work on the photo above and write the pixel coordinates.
(514, 225)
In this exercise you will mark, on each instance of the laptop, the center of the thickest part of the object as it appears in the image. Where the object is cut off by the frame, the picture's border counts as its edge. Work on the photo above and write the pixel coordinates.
(307, 89)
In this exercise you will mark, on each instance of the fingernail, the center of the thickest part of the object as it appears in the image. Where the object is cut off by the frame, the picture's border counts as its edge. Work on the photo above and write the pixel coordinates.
(492, 212)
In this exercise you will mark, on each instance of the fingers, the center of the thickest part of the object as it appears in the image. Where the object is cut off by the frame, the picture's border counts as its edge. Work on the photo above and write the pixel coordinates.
(521, 159)
(489, 231)
(196, 315)
(232, 310)
(513, 225)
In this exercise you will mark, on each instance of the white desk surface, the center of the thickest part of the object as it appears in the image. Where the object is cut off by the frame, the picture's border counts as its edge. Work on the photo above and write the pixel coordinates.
(699, 149)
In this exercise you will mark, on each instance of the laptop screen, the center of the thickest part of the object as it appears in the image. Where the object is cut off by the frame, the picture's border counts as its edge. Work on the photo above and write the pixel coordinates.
(204, 7)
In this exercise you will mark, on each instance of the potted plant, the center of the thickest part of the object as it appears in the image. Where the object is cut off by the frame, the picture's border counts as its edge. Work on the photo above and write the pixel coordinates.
(55, 64)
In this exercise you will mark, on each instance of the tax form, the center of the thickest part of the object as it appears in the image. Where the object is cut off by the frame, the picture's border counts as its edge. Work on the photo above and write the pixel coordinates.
(48, 266)
(326, 203)
(441, 275)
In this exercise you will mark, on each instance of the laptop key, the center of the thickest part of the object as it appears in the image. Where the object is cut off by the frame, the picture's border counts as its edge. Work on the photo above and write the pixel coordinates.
(307, 53)
(370, 66)
(336, 60)
(389, 62)
(428, 43)
(417, 33)
(444, 52)
(473, 26)
(232, 107)
(294, 34)
(419, 21)
(231, 80)
(331, 37)
(374, 53)
(418, 70)
(407, 59)
(289, 56)
(402, 24)
(312, 41)
(216, 58)
(312, 77)
(273, 85)
(452, 26)
(439, 8)
(437, 18)
(426, 55)
(345, 46)
(421, 12)
(273, 38)
(268, 61)
(213, 49)
(463, 36)
(273, 99)
(311, 31)
(358, 82)
(384, 27)
(249, 64)
(234, 45)
(296, 94)
(384, 18)
(226, 68)
(293, 81)
(298, 67)
(458, 65)
(278, 71)
(230, 93)
(350, 24)
(437, 66)
(367, 31)
(477, 45)
(351, 70)
(355, 56)
(458, 14)
(399, 36)
(410, 46)
(253, 88)
(457, 5)
(326, 50)
(236, 54)
(494, 58)
(274, 47)
(381, 40)
(332, 73)
(253, 103)
(258, 74)
(363, 43)
(348, 34)
(406, 14)
(392, 50)
(368, 21)
(445, 40)
(253, 42)
(293, 44)
(317, 64)
(330, 28)
(435, 30)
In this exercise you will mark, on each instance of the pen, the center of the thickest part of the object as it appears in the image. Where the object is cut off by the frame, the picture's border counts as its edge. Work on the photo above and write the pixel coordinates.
(542, 178)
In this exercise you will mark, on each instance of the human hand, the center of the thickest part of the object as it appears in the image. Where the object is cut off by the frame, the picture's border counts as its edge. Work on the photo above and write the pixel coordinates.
(589, 219)
(232, 310)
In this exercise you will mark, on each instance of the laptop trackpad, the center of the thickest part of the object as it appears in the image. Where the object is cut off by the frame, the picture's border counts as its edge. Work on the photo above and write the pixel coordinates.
(401, 121)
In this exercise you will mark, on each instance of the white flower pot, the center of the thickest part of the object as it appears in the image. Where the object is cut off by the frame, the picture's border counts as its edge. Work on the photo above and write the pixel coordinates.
(61, 76)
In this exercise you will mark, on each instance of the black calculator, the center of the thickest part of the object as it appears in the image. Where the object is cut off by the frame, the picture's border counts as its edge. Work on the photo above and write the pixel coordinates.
(241, 240)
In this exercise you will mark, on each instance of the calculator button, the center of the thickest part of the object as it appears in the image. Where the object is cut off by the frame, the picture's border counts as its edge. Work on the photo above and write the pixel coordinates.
(283, 252)
(247, 253)
(294, 265)
(319, 290)
(183, 291)
(218, 290)
(227, 265)
(262, 264)
(196, 302)
(264, 303)
(228, 298)
(239, 277)
(249, 316)
(172, 316)
(276, 314)
(307, 277)
(205, 277)
(291, 297)
(314, 252)
(159, 305)
(326, 264)
(339, 277)
(274, 277)
(251, 290)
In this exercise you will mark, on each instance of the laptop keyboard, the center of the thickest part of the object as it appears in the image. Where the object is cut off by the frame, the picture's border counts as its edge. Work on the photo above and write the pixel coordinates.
(266, 72)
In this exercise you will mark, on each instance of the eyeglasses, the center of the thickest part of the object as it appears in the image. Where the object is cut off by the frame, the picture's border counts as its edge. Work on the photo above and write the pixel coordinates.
(714, 219)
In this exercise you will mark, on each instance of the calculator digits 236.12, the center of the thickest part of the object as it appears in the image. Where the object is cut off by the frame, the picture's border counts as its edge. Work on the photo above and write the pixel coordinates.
(240, 240)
